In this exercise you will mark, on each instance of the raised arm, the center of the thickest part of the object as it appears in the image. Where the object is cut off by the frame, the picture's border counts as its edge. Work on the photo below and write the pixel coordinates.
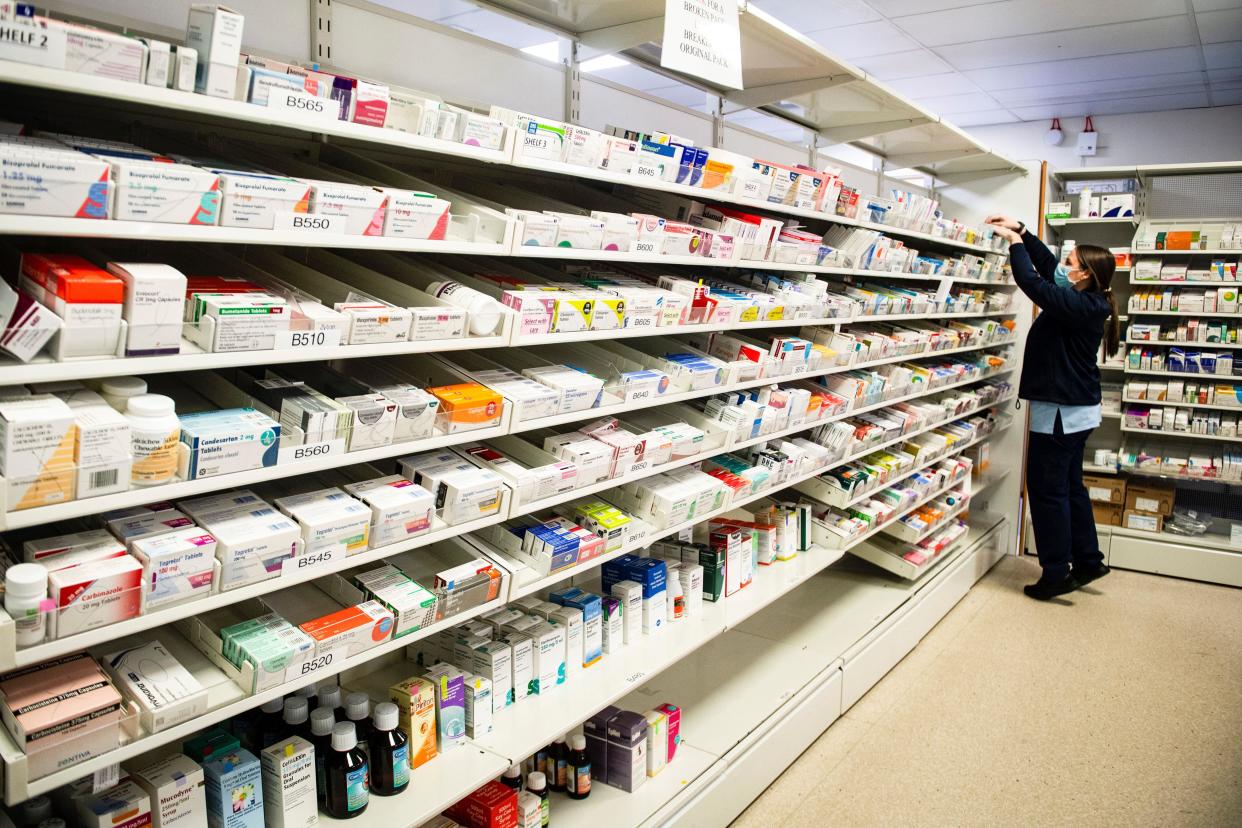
(1063, 302)
(1041, 257)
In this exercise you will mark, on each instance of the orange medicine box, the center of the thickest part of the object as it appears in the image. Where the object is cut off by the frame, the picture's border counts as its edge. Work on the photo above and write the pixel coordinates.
(88, 299)
(416, 700)
(350, 630)
(468, 406)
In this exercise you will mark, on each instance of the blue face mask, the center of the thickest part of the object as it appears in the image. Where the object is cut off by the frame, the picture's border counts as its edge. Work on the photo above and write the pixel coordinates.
(1061, 277)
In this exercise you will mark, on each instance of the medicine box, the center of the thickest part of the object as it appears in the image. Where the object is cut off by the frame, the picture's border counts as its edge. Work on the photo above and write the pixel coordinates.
(416, 700)
(412, 606)
(124, 804)
(92, 595)
(350, 630)
(289, 784)
(153, 309)
(234, 791)
(400, 508)
(164, 691)
(450, 706)
(329, 519)
(627, 751)
(177, 566)
(178, 794)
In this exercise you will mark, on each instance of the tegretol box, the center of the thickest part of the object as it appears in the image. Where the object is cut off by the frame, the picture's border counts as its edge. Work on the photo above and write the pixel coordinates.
(329, 518)
(400, 508)
(252, 541)
(177, 566)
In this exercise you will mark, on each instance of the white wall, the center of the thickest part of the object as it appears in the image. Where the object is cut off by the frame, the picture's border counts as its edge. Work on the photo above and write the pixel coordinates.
(1178, 136)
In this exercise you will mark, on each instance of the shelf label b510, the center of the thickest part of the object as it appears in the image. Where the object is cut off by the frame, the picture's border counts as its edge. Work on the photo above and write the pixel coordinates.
(297, 340)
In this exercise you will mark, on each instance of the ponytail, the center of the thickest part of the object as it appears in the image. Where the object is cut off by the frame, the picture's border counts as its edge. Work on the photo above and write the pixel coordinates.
(1099, 262)
(1112, 328)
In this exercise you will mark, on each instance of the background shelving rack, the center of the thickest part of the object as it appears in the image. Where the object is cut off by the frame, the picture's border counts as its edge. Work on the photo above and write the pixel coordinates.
(1186, 196)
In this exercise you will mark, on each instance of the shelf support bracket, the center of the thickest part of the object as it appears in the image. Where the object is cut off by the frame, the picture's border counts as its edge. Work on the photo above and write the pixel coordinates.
(856, 132)
(573, 85)
(716, 104)
(613, 39)
(913, 159)
(321, 31)
(759, 95)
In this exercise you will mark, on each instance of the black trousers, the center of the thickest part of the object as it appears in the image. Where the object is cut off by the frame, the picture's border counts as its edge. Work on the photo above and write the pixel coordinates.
(1060, 507)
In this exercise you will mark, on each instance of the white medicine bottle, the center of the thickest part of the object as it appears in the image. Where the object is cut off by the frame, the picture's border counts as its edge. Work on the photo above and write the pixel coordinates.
(118, 391)
(154, 432)
(484, 311)
(25, 590)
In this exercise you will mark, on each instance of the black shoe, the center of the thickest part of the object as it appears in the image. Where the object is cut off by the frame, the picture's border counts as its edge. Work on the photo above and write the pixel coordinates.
(1045, 590)
(1086, 574)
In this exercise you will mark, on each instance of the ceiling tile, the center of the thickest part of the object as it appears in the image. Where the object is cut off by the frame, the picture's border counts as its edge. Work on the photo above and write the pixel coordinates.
(1220, 26)
(1014, 18)
(1227, 97)
(948, 83)
(635, 77)
(1223, 55)
(898, 8)
(1214, 5)
(865, 39)
(1135, 36)
(1223, 76)
(808, 17)
(1147, 84)
(949, 104)
(984, 117)
(1159, 61)
(1113, 106)
(915, 63)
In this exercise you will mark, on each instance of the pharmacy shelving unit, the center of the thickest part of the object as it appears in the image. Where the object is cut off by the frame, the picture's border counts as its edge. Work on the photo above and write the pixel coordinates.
(865, 618)
(1197, 197)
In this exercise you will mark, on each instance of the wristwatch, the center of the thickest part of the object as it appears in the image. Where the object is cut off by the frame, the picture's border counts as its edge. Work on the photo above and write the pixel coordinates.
(1021, 227)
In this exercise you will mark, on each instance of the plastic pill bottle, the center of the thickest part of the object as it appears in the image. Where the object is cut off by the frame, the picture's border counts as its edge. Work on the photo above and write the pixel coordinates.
(118, 391)
(25, 591)
(154, 433)
(484, 311)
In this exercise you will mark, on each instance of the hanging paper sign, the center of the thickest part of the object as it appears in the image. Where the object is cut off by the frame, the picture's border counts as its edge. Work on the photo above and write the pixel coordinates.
(701, 38)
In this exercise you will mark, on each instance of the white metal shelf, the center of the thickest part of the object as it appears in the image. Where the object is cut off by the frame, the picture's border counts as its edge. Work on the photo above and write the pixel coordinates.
(1183, 343)
(1187, 282)
(1214, 251)
(204, 106)
(187, 488)
(1155, 432)
(1179, 374)
(45, 369)
(1184, 404)
(1186, 313)
(1061, 222)
(1092, 468)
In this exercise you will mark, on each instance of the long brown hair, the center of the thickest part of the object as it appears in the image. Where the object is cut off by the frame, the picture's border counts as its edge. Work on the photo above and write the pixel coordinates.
(1099, 264)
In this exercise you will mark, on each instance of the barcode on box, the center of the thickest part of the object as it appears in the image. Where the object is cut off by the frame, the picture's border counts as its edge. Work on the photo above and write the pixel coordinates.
(103, 479)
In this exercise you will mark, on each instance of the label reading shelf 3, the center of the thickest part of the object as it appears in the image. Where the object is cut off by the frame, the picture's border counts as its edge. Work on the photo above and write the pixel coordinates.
(310, 451)
(310, 225)
(290, 340)
(303, 105)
